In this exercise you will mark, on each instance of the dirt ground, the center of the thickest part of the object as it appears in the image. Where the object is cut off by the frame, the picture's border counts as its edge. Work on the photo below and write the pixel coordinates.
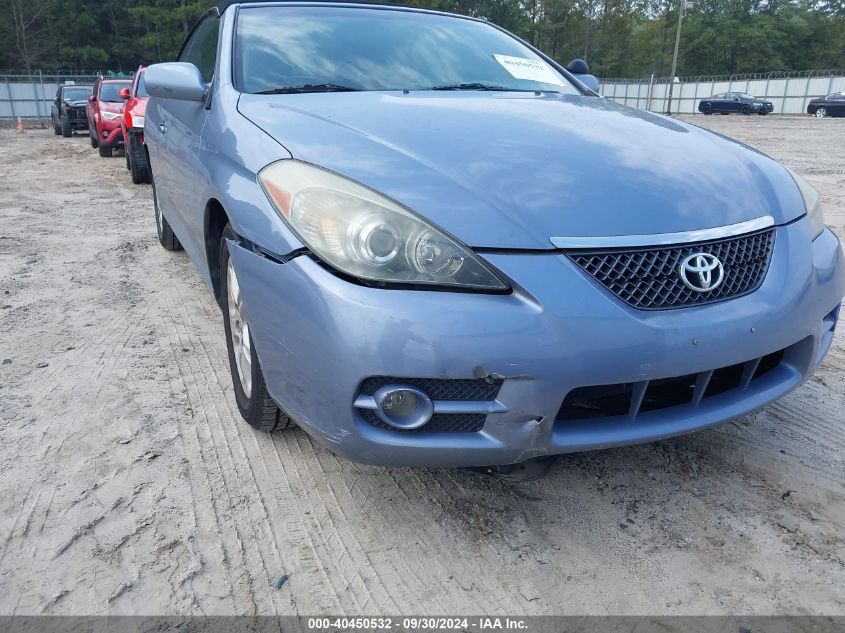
(129, 485)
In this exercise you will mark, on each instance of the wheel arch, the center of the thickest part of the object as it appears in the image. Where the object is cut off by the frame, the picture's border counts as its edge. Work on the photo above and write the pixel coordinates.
(216, 219)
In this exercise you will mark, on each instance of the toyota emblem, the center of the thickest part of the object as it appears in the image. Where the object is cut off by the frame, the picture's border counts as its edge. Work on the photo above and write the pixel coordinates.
(702, 272)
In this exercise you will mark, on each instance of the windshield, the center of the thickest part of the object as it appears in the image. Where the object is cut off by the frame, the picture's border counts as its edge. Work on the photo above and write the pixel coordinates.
(377, 49)
(141, 88)
(108, 91)
(80, 93)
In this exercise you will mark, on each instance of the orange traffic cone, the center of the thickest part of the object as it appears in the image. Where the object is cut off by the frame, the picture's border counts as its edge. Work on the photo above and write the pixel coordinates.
(21, 129)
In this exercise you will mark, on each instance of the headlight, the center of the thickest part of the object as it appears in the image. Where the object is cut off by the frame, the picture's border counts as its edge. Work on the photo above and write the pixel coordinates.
(366, 235)
(110, 116)
(812, 204)
(137, 121)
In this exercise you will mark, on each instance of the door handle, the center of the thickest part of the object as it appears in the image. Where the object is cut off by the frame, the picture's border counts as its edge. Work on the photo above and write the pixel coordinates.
(162, 127)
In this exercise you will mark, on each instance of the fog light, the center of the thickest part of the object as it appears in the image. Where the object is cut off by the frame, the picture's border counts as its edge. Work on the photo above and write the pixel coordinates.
(105, 134)
(403, 406)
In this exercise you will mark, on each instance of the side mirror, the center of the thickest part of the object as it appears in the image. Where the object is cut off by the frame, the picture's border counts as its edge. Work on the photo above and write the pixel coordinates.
(124, 93)
(175, 80)
(581, 70)
(92, 98)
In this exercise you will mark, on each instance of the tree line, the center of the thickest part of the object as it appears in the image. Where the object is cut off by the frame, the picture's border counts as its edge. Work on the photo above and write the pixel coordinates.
(619, 38)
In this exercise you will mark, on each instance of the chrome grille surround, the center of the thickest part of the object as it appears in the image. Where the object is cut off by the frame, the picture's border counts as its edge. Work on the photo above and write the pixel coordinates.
(647, 278)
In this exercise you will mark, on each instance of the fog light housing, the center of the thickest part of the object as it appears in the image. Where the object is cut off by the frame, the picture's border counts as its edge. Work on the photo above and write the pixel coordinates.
(105, 134)
(403, 406)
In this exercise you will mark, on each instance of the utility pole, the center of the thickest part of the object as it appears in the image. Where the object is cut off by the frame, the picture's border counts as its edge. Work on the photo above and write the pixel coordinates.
(682, 7)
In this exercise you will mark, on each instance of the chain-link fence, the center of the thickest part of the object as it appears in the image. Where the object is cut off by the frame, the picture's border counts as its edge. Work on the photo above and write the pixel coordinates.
(31, 96)
(789, 92)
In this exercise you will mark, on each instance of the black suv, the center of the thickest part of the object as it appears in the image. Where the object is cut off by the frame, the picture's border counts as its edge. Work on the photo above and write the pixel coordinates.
(68, 113)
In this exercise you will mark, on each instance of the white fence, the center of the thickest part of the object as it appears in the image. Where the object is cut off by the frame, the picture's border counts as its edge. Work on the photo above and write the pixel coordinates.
(31, 96)
(788, 92)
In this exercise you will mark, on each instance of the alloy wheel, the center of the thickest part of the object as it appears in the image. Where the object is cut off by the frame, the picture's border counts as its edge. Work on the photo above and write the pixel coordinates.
(241, 344)
(821, 113)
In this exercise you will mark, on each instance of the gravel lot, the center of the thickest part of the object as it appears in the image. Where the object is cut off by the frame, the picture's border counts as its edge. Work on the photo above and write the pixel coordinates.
(128, 483)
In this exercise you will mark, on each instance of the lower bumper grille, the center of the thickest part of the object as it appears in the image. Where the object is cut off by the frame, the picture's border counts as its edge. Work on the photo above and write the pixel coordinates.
(649, 278)
(439, 423)
(439, 388)
(635, 398)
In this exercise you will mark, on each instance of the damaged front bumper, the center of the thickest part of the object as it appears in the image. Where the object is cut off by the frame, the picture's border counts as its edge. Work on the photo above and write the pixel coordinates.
(320, 338)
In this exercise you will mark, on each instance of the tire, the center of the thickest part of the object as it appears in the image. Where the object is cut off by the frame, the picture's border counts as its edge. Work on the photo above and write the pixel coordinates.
(254, 402)
(93, 136)
(105, 152)
(708, 109)
(67, 131)
(136, 158)
(821, 112)
(745, 110)
(166, 237)
(57, 129)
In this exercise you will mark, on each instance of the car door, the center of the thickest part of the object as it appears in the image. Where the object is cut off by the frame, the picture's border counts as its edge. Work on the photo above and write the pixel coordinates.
(836, 105)
(178, 126)
(734, 103)
(718, 102)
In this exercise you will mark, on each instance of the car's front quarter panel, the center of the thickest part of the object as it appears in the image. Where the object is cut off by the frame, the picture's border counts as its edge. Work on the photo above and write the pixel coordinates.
(233, 151)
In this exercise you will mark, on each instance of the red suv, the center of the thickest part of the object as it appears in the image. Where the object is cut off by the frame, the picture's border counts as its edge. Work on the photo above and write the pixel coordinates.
(105, 109)
(132, 123)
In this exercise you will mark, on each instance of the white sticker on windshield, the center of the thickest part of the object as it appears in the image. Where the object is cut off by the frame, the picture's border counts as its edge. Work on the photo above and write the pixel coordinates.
(531, 69)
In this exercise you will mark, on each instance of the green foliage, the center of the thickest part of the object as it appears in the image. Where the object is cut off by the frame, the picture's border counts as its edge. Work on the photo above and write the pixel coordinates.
(621, 38)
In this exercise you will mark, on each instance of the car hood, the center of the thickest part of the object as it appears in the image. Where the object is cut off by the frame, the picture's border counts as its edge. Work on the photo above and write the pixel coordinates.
(77, 104)
(512, 170)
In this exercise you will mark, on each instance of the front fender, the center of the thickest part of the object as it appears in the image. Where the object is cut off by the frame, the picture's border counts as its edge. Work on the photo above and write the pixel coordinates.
(233, 151)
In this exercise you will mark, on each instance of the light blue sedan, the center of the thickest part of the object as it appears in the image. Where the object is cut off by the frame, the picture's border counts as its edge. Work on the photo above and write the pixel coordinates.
(433, 245)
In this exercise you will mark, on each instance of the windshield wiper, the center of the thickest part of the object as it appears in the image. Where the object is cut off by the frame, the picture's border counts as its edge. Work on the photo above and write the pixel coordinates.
(473, 86)
(286, 90)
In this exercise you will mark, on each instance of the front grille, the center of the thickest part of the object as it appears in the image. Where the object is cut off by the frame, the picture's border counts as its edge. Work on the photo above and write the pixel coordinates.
(649, 278)
(439, 423)
(636, 398)
(439, 388)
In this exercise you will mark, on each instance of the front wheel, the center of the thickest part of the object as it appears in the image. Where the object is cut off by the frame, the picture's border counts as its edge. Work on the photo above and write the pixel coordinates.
(820, 113)
(67, 131)
(745, 110)
(105, 152)
(254, 402)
